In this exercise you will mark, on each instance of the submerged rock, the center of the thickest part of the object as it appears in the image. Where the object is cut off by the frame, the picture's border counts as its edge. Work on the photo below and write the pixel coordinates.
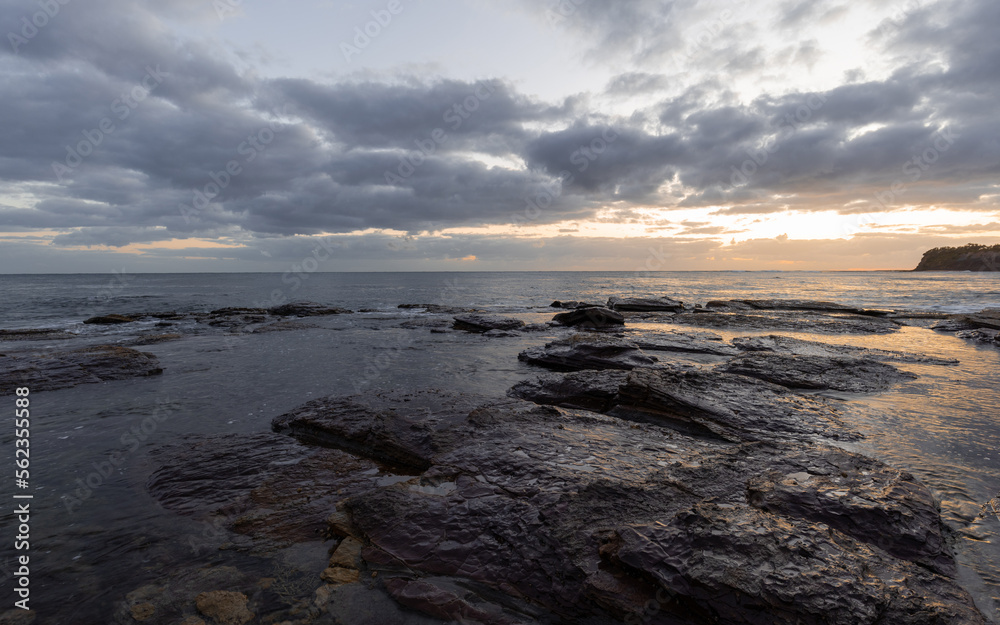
(590, 318)
(225, 607)
(51, 371)
(479, 322)
(588, 351)
(268, 491)
(839, 373)
(641, 304)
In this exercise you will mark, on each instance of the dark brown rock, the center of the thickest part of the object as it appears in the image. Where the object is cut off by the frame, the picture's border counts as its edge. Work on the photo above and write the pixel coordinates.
(798, 347)
(43, 334)
(590, 318)
(984, 335)
(587, 390)
(697, 401)
(307, 309)
(796, 304)
(231, 312)
(586, 516)
(786, 320)
(641, 304)
(853, 375)
(436, 308)
(860, 497)
(225, 607)
(441, 602)
(107, 320)
(790, 571)
(588, 351)
(682, 342)
(402, 431)
(988, 319)
(249, 488)
(154, 339)
(479, 322)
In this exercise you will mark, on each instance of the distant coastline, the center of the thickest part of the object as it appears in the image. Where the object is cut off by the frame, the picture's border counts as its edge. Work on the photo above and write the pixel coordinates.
(971, 257)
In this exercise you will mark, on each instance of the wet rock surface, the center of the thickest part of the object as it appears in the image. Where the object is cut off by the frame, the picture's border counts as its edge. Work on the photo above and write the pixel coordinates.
(211, 595)
(154, 339)
(269, 491)
(573, 304)
(793, 304)
(788, 345)
(839, 373)
(682, 342)
(588, 351)
(788, 321)
(307, 309)
(436, 308)
(587, 390)
(533, 514)
(640, 304)
(401, 434)
(110, 320)
(41, 334)
(590, 318)
(702, 402)
(984, 335)
(479, 322)
(55, 370)
(782, 571)
(981, 327)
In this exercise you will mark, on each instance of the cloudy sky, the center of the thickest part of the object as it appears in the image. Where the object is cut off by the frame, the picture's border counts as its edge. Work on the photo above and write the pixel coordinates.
(392, 135)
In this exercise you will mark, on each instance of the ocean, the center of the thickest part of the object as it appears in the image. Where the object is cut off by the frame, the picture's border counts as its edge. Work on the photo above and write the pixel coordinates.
(96, 540)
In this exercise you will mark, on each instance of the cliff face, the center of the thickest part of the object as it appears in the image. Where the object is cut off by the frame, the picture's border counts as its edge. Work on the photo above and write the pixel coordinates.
(970, 257)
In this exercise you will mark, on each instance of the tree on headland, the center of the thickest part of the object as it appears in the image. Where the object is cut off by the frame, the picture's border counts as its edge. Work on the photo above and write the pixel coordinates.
(971, 257)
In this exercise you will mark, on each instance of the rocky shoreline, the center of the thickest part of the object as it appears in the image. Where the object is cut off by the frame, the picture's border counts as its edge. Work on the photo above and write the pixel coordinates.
(620, 483)
(971, 257)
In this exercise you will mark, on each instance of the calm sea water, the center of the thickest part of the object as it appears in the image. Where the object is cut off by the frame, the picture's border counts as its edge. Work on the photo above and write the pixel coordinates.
(944, 426)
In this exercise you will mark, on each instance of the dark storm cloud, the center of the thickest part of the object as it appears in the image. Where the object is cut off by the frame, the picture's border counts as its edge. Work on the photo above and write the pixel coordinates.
(600, 159)
(408, 155)
(376, 115)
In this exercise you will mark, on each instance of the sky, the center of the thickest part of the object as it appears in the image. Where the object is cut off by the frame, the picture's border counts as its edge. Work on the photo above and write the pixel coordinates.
(476, 135)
